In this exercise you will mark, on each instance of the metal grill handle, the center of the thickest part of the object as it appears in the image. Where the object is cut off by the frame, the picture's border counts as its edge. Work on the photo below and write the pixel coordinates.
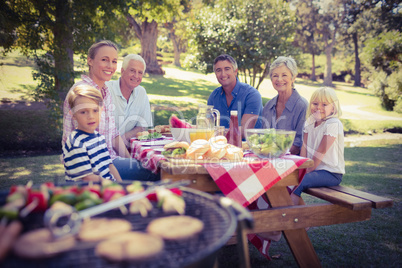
(73, 219)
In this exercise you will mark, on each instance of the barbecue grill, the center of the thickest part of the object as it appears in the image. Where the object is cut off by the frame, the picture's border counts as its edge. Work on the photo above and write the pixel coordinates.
(219, 220)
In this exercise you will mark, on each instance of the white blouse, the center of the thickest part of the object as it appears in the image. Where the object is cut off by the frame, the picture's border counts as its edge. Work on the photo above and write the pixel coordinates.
(333, 161)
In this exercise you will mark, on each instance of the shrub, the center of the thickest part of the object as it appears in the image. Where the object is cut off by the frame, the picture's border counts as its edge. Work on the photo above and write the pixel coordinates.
(348, 78)
(24, 131)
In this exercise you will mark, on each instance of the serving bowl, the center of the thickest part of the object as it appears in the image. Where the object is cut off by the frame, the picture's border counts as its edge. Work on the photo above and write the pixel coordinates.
(269, 143)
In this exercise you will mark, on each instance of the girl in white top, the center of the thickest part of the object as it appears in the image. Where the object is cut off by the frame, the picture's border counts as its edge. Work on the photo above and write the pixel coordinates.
(322, 142)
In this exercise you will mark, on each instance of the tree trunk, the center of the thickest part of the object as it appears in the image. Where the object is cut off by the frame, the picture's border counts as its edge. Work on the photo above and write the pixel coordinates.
(328, 63)
(63, 49)
(176, 50)
(147, 32)
(148, 46)
(357, 61)
(176, 44)
(328, 66)
(313, 77)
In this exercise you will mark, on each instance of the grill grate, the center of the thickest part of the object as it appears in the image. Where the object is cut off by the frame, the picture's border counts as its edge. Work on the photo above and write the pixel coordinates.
(219, 226)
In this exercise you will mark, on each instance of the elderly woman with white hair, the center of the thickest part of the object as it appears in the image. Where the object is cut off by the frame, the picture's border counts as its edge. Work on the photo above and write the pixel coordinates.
(287, 110)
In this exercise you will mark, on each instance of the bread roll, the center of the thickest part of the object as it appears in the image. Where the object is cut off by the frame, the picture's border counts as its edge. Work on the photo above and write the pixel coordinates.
(176, 144)
(220, 139)
(234, 153)
(197, 149)
(162, 128)
(217, 151)
(141, 133)
(176, 149)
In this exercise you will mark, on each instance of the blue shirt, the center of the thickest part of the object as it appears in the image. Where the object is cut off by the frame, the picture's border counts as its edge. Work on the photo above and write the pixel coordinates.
(246, 100)
(292, 118)
(84, 154)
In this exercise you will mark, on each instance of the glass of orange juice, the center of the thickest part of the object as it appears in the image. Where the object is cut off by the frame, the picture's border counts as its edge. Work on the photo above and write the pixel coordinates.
(205, 134)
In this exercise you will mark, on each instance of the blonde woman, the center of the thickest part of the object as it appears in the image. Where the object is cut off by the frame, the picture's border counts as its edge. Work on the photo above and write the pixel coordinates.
(102, 63)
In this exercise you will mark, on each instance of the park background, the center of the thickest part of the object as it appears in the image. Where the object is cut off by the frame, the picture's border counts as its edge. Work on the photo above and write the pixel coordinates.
(180, 78)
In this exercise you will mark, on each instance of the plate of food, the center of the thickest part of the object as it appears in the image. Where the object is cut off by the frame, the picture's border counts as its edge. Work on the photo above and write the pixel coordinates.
(203, 151)
(150, 136)
(156, 142)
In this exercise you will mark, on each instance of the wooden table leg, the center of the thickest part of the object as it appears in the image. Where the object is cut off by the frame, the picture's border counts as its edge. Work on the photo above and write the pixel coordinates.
(302, 248)
(297, 239)
(242, 245)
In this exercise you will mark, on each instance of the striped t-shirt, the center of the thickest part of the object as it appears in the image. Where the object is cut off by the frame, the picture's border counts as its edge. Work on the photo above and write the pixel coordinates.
(84, 154)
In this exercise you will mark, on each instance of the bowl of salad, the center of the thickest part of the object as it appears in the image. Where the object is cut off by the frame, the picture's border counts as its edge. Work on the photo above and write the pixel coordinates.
(269, 143)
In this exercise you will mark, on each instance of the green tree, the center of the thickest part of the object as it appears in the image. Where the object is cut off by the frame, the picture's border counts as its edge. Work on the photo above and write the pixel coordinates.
(51, 32)
(384, 54)
(365, 19)
(253, 32)
(144, 16)
(351, 30)
(177, 31)
(307, 30)
(332, 14)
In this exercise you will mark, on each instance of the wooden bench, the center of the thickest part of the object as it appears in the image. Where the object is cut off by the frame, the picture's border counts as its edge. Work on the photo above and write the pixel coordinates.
(350, 198)
(344, 205)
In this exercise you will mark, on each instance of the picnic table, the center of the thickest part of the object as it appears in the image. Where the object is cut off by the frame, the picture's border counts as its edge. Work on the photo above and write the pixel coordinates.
(272, 177)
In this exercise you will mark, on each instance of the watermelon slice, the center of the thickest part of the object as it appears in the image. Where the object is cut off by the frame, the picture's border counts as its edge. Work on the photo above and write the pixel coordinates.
(176, 122)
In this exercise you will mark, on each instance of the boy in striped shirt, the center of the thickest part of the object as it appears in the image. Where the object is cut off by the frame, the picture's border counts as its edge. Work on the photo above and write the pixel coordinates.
(85, 153)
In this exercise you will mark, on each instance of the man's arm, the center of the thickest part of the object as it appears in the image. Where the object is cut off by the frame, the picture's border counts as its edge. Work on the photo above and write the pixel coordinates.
(252, 109)
(120, 148)
(131, 134)
(248, 121)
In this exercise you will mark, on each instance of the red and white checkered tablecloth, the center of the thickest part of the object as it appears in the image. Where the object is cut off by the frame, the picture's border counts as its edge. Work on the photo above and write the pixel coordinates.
(149, 156)
(244, 182)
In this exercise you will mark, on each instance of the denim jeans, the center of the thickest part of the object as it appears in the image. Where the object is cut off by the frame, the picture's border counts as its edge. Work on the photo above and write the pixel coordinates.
(318, 178)
(131, 169)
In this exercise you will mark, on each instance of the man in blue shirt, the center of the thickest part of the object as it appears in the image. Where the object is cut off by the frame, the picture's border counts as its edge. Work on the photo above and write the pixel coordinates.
(234, 95)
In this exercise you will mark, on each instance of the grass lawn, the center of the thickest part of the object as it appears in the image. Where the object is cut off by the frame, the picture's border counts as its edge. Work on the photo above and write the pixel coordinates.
(370, 167)
(373, 166)
(373, 243)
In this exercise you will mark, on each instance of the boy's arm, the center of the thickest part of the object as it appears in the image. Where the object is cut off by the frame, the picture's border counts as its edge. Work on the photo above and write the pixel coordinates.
(115, 173)
(92, 177)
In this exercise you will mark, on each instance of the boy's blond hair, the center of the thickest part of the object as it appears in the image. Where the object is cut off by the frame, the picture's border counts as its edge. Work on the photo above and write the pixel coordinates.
(84, 91)
(326, 94)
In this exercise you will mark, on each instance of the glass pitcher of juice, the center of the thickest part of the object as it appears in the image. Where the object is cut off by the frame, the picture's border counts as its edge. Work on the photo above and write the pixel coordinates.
(207, 119)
